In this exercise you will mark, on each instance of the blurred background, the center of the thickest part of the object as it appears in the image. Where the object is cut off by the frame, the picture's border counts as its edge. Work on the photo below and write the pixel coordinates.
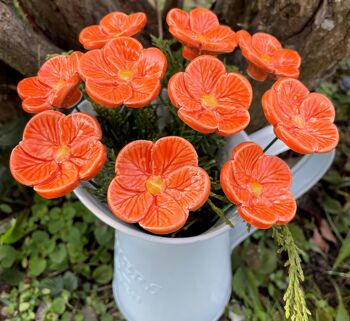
(56, 259)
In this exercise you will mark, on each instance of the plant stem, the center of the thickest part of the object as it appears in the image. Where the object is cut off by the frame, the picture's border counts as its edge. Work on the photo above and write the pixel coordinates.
(270, 144)
(219, 212)
(159, 19)
(219, 197)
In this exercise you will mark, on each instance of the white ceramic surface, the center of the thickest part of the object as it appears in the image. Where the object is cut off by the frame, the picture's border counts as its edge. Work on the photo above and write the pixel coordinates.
(186, 279)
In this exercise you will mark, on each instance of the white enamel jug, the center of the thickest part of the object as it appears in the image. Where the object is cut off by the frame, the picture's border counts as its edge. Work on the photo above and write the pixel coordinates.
(187, 279)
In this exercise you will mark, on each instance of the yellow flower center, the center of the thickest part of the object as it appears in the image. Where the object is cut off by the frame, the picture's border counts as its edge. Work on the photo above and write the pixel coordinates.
(256, 188)
(209, 100)
(125, 74)
(265, 57)
(58, 85)
(202, 38)
(62, 153)
(155, 185)
(299, 121)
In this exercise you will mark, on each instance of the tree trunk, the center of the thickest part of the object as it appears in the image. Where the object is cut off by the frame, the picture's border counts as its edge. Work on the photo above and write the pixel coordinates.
(20, 46)
(62, 20)
(318, 29)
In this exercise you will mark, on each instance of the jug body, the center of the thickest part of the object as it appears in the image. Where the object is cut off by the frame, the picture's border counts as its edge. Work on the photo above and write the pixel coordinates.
(172, 282)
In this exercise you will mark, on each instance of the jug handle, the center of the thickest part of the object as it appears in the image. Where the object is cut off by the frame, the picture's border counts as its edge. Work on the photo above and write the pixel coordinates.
(306, 173)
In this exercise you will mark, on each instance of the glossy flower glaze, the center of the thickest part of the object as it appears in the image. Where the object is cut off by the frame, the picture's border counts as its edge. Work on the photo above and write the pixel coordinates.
(302, 120)
(259, 186)
(123, 72)
(58, 151)
(200, 32)
(157, 184)
(56, 85)
(111, 26)
(266, 56)
(210, 99)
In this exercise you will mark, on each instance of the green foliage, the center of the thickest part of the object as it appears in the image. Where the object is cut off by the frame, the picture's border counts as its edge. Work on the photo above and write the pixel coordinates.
(295, 305)
(55, 257)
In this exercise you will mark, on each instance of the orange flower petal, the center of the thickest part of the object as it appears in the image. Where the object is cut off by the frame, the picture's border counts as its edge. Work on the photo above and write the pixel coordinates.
(65, 90)
(79, 127)
(179, 26)
(245, 41)
(233, 90)
(232, 120)
(185, 36)
(317, 106)
(109, 95)
(133, 165)
(63, 183)
(202, 75)
(72, 99)
(114, 22)
(256, 73)
(127, 204)
(36, 105)
(120, 24)
(171, 153)
(29, 170)
(178, 18)
(265, 43)
(245, 156)
(321, 137)
(234, 191)
(204, 120)
(271, 171)
(190, 53)
(44, 128)
(179, 95)
(165, 216)
(122, 52)
(299, 141)
(263, 216)
(89, 157)
(93, 37)
(32, 87)
(144, 90)
(285, 95)
(219, 39)
(327, 135)
(93, 65)
(189, 186)
(202, 20)
(151, 63)
(287, 63)
(59, 68)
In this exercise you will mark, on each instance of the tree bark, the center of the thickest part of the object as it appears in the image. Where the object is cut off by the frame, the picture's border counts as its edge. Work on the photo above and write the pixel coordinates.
(318, 29)
(20, 46)
(62, 20)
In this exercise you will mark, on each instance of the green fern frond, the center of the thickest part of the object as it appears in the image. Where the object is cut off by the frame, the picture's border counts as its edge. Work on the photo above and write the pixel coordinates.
(294, 298)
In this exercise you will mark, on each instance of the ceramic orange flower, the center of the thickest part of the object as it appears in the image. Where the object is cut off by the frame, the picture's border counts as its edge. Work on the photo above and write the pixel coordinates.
(200, 32)
(56, 85)
(210, 99)
(58, 151)
(123, 72)
(259, 186)
(302, 120)
(113, 25)
(266, 56)
(157, 184)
